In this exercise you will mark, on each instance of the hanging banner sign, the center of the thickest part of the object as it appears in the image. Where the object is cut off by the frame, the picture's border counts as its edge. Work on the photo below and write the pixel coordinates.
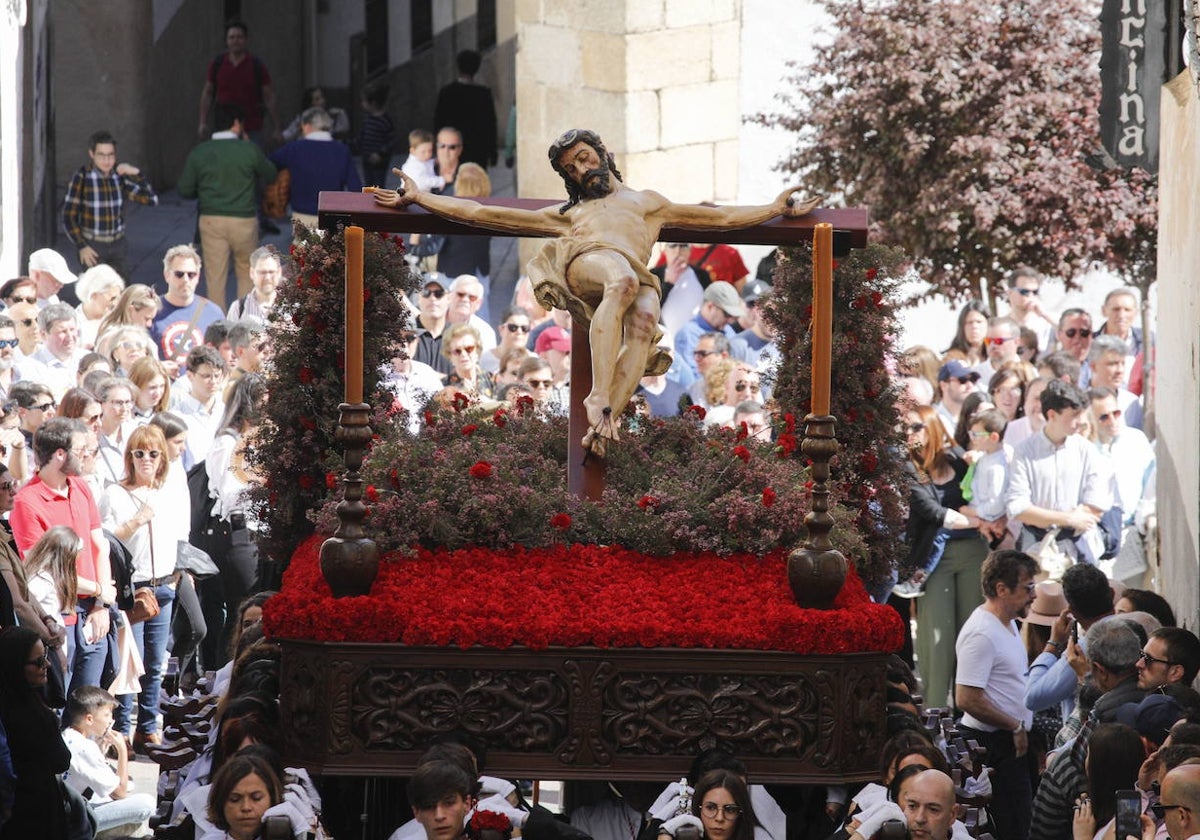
(1133, 69)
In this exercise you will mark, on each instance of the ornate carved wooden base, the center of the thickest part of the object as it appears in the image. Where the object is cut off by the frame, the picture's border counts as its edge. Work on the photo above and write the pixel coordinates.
(577, 713)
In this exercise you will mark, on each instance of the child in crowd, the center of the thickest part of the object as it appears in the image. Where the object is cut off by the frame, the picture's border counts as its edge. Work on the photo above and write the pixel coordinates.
(377, 137)
(89, 735)
(990, 480)
(420, 165)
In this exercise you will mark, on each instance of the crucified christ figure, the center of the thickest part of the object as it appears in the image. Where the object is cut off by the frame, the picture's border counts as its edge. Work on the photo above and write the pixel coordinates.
(595, 267)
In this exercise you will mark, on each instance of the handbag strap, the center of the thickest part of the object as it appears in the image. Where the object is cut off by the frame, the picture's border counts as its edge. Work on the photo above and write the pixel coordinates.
(149, 526)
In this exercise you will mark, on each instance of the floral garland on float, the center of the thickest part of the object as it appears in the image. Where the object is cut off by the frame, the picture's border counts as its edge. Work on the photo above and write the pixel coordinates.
(482, 543)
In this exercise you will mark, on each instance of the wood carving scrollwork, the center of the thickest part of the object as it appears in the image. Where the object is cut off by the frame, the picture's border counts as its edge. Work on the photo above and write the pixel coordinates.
(401, 709)
(654, 714)
(340, 675)
(586, 682)
(305, 707)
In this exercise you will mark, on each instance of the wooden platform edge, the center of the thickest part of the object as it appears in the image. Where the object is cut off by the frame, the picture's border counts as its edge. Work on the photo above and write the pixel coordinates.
(584, 713)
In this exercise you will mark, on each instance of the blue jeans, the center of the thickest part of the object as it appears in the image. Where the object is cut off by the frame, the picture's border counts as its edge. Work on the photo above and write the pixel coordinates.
(151, 638)
(134, 809)
(87, 661)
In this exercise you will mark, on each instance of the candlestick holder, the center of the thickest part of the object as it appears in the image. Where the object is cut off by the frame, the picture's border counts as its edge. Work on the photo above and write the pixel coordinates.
(349, 560)
(817, 570)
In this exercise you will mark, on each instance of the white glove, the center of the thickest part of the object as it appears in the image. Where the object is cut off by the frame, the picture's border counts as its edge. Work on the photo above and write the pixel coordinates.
(873, 821)
(675, 823)
(500, 805)
(669, 798)
(300, 825)
(302, 778)
(296, 794)
(979, 786)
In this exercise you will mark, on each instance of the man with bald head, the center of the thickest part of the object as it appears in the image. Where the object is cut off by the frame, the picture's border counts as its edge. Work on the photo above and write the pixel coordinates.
(1179, 803)
(928, 804)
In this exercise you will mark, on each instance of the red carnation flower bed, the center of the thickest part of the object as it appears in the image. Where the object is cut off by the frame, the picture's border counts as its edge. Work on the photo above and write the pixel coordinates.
(578, 595)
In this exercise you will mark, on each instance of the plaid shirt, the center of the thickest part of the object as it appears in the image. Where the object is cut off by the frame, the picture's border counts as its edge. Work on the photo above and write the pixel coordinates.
(94, 201)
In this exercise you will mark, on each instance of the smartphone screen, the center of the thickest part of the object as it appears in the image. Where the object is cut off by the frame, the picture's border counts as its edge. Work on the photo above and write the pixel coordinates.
(1129, 814)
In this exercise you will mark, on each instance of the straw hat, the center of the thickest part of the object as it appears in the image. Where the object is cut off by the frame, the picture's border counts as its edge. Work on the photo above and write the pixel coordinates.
(1048, 603)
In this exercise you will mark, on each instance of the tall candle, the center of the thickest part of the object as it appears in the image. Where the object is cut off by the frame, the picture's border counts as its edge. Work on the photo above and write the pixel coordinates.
(822, 328)
(354, 315)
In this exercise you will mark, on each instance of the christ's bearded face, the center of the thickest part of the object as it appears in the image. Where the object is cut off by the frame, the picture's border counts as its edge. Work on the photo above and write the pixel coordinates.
(583, 165)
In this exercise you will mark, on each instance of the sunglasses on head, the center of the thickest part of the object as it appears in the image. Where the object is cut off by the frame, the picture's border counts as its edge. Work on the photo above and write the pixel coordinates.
(433, 293)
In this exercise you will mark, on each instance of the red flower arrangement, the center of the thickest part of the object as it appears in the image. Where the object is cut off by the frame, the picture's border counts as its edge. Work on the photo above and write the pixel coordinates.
(489, 825)
(481, 469)
(742, 452)
(577, 595)
(562, 521)
(768, 497)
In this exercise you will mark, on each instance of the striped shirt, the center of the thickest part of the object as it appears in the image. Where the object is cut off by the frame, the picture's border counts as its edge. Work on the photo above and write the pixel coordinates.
(92, 208)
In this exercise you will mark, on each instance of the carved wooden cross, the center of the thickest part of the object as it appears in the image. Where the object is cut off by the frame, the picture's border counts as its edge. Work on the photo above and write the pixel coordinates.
(587, 479)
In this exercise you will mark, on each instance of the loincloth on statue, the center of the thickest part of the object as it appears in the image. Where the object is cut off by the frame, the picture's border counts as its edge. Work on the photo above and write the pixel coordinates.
(548, 273)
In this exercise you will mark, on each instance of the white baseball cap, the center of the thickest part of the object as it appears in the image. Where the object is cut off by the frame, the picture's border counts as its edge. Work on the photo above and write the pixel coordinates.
(49, 260)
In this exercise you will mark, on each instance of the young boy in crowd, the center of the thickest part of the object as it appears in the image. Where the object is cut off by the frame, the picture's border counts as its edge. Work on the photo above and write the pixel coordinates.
(989, 482)
(420, 165)
(89, 735)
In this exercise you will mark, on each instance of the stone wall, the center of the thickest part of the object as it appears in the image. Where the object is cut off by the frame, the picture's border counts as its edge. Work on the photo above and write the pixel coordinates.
(658, 81)
(1178, 369)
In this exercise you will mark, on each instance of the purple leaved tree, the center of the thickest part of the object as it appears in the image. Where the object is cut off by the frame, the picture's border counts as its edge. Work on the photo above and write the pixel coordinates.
(966, 127)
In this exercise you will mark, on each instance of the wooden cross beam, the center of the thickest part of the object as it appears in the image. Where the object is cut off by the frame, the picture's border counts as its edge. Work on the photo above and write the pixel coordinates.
(587, 479)
(347, 208)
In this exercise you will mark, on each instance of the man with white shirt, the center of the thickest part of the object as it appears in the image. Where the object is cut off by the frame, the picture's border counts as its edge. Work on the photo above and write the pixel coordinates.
(466, 297)
(990, 681)
(57, 361)
(411, 381)
(1057, 478)
(48, 269)
(1131, 454)
(202, 408)
(1025, 302)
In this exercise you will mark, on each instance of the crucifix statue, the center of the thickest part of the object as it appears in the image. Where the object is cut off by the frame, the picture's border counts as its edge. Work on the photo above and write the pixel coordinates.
(595, 265)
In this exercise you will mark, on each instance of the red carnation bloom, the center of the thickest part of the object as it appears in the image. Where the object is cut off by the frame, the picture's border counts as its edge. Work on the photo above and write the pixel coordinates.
(460, 401)
(789, 423)
(331, 480)
(562, 521)
(308, 423)
(306, 481)
(698, 410)
(742, 452)
(469, 429)
(485, 820)
(395, 479)
(481, 469)
(870, 462)
(768, 497)
(314, 280)
(743, 431)
(786, 444)
(500, 418)
(876, 298)
(429, 420)
(647, 502)
(872, 273)
(306, 375)
(524, 404)
(371, 493)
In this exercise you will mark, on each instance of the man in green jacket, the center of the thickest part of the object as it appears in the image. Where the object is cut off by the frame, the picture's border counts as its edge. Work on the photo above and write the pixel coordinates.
(222, 173)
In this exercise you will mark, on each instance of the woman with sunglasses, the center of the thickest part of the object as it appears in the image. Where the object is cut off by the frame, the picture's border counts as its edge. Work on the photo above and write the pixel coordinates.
(128, 509)
(942, 543)
(124, 346)
(721, 809)
(19, 290)
(38, 753)
(461, 344)
(515, 325)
